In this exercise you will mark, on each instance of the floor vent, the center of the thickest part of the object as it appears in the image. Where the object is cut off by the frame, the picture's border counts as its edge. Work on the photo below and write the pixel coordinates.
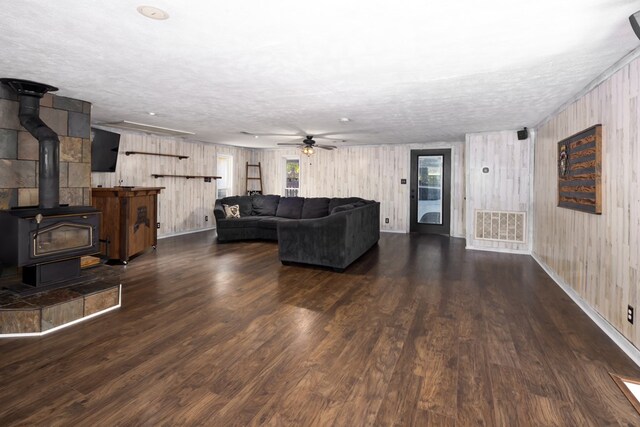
(501, 226)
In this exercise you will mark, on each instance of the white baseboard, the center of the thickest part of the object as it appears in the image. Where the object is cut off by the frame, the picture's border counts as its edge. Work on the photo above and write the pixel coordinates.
(407, 232)
(502, 250)
(620, 340)
(199, 230)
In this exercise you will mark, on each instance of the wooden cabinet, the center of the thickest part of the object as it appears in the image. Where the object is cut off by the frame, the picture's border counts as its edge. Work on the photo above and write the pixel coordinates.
(129, 217)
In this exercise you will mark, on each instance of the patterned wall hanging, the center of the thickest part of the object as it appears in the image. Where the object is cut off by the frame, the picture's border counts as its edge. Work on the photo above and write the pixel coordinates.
(579, 170)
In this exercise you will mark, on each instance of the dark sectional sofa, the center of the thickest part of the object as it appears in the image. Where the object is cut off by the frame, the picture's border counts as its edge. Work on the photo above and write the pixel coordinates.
(331, 232)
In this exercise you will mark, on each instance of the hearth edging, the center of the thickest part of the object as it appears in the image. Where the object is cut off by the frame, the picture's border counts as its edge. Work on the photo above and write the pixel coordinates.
(73, 322)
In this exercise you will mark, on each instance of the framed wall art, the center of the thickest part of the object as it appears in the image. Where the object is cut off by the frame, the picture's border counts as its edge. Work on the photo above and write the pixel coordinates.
(579, 171)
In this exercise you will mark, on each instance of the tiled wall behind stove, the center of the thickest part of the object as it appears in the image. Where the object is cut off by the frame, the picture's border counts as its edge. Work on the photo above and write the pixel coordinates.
(70, 119)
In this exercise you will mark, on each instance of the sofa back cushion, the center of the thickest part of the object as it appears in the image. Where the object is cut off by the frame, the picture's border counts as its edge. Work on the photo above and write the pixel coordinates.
(265, 205)
(348, 206)
(290, 207)
(315, 207)
(342, 208)
(243, 201)
(337, 201)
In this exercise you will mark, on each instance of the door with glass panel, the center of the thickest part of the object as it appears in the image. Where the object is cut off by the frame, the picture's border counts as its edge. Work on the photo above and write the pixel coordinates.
(430, 193)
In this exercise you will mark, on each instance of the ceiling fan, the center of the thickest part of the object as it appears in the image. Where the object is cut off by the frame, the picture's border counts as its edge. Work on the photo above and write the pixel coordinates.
(307, 145)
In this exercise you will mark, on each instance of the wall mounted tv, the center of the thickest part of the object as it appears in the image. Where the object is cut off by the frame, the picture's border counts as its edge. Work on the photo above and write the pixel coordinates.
(104, 150)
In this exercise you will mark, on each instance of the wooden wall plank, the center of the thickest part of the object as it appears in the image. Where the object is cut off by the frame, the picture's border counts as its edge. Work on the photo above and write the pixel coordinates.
(506, 187)
(371, 172)
(183, 204)
(598, 256)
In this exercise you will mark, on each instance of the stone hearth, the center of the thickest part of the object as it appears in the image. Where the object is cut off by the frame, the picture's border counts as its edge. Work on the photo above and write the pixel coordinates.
(45, 312)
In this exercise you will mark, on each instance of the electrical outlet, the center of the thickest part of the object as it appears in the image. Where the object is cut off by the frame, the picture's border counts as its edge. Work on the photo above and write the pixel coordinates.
(157, 225)
(630, 314)
(386, 220)
(206, 217)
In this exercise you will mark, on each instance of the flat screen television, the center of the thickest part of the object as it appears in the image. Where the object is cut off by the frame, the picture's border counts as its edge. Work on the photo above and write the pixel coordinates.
(104, 150)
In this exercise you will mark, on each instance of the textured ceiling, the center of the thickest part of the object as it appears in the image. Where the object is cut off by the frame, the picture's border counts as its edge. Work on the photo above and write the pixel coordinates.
(409, 71)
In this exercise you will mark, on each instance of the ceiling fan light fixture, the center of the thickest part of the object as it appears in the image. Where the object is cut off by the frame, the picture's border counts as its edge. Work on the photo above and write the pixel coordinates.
(153, 12)
(307, 149)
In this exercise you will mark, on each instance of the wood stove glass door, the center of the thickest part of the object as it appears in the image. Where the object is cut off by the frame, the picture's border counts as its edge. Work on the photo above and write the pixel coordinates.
(60, 238)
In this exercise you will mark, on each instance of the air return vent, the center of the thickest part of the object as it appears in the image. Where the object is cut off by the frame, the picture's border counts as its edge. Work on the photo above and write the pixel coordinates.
(124, 124)
(501, 226)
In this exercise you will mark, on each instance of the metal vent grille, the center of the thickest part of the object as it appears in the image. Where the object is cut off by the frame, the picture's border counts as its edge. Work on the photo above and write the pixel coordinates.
(125, 124)
(501, 226)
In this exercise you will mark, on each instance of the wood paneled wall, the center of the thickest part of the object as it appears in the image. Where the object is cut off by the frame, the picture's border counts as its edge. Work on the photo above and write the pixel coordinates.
(371, 172)
(597, 255)
(507, 185)
(184, 203)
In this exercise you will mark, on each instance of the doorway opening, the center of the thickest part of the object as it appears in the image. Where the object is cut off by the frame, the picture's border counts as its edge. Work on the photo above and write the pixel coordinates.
(430, 194)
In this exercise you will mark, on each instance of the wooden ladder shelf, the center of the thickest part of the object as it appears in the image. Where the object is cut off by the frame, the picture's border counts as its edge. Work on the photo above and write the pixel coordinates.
(253, 177)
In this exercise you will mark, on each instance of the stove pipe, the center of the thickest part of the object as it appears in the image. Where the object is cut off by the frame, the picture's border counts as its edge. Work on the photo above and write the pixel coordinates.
(29, 94)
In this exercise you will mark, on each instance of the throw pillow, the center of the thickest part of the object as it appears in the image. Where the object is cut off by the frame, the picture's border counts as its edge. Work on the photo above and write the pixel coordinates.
(231, 211)
(243, 201)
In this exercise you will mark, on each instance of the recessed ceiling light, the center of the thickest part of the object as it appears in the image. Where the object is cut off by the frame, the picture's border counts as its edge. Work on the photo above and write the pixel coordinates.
(345, 119)
(153, 12)
(256, 136)
(151, 113)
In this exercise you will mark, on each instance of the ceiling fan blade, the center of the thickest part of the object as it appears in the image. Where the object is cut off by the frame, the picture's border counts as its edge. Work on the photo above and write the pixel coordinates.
(297, 129)
(326, 147)
(290, 143)
(346, 132)
(331, 139)
(269, 134)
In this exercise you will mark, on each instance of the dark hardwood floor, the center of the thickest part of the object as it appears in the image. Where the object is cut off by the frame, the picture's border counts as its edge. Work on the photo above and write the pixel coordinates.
(418, 332)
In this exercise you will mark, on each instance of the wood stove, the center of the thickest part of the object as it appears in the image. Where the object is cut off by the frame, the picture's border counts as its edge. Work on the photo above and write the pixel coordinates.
(48, 243)
(47, 240)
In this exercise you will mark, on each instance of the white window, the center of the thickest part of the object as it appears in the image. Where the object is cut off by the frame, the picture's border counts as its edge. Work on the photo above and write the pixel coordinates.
(292, 176)
(225, 172)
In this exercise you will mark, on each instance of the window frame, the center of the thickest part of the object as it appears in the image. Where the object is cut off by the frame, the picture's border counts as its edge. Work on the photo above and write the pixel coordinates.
(229, 176)
(291, 191)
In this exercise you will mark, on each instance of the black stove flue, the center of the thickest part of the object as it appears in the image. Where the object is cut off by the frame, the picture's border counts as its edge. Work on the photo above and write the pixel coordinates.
(47, 240)
(29, 94)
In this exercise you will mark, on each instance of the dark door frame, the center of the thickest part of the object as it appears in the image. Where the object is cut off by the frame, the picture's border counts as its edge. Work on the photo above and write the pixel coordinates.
(445, 228)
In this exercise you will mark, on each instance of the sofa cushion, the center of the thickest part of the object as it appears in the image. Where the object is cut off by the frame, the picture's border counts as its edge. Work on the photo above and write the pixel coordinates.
(265, 205)
(337, 201)
(271, 222)
(290, 207)
(242, 222)
(231, 211)
(342, 208)
(244, 202)
(315, 207)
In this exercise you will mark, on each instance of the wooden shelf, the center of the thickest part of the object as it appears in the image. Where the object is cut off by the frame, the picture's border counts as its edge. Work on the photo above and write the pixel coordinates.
(206, 178)
(128, 153)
